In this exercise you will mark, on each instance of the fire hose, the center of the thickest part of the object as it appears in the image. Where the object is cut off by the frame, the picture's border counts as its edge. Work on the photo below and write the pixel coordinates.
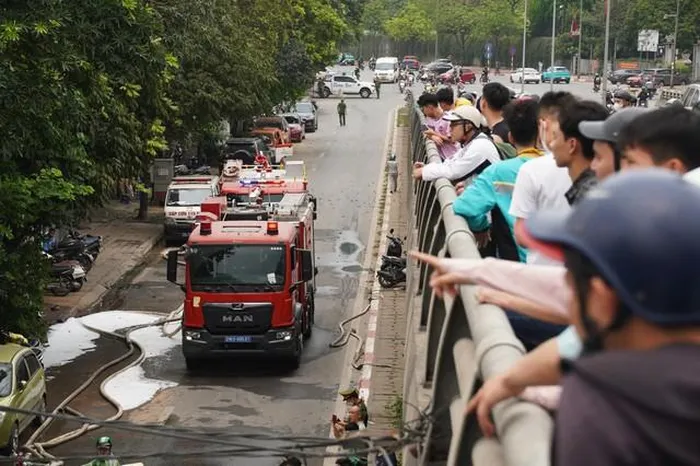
(38, 449)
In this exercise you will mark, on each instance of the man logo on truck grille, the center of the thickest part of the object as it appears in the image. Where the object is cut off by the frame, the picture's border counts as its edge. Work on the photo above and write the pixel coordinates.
(237, 319)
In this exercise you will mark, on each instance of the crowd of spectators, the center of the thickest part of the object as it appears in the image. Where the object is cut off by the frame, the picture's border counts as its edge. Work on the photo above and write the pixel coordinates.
(591, 234)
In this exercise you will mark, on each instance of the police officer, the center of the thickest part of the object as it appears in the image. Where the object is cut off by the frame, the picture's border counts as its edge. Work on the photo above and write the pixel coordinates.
(351, 397)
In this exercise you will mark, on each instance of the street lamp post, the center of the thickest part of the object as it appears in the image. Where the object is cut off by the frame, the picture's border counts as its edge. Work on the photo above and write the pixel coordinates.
(554, 31)
(522, 74)
(675, 43)
(580, 36)
(605, 52)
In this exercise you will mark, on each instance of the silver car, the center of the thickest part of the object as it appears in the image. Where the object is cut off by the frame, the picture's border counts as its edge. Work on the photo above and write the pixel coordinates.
(307, 112)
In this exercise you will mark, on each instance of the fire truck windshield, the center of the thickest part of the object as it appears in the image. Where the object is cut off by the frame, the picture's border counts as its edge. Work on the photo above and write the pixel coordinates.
(261, 265)
(187, 197)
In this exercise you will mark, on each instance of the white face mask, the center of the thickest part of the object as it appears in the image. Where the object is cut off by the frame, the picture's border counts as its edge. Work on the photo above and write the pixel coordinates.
(617, 106)
(569, 344)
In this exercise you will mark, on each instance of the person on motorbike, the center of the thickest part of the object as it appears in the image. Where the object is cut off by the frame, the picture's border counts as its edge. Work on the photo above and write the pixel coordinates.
(485, 74)
(104, 451)
(643, 96)
(357, 71)
(596, 83)
(623, 99)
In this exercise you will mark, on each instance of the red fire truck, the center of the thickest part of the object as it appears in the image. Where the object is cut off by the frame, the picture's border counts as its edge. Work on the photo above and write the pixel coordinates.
(249, 284)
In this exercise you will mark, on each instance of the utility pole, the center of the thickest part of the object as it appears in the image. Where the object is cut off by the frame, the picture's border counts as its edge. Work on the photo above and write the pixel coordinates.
(580, 37)
(675, 43)
(605, 52)
(522, 81)
(554, 31)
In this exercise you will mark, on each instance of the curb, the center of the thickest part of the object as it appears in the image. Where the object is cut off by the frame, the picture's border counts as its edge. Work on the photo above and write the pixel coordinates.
(141, 252)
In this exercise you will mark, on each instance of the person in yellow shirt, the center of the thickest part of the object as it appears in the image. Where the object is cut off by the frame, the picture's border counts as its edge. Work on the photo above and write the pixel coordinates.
(462, 101)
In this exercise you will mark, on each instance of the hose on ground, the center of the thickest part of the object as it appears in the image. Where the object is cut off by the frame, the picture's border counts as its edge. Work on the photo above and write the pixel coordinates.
(345, 336)
(39, 448)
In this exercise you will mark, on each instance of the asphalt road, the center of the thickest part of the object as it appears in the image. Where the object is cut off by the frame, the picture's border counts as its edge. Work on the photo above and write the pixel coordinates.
(342, 165)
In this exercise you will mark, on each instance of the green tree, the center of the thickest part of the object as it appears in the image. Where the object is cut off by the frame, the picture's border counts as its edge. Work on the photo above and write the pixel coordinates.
(411, 24)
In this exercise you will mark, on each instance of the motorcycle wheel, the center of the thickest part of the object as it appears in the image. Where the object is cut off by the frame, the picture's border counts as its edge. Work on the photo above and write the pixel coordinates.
(385, 282)
(75, 285)
(59, 290)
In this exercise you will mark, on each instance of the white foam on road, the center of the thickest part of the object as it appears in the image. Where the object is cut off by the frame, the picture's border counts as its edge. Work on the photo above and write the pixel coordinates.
(67, 341)
(131, 388)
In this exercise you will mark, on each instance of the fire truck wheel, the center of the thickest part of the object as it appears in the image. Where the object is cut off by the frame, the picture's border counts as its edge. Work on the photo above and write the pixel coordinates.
(309, 321)
(296, 357)
(192, 364)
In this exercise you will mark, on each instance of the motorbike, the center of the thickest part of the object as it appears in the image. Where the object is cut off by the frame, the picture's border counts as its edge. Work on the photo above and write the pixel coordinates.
(395, 246)
(68, 276)
(77, 246)
(484, 78)
(393, 262)
(391, 277)
(402, 86)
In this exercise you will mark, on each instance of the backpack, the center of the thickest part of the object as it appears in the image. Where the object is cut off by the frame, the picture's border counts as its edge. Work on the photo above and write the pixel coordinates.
(505, 150)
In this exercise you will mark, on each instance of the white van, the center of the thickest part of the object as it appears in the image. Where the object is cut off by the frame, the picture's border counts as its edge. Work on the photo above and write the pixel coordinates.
(386, 69)
(183, 202)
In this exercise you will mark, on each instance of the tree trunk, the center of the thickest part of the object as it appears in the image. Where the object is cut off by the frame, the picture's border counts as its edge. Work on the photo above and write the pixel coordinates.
(144, 195)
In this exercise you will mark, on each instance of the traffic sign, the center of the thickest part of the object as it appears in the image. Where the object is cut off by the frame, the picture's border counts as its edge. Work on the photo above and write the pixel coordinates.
(512, 50)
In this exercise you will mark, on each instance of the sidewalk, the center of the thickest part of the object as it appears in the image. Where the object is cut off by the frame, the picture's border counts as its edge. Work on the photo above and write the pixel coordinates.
(387, 360)
(125, 245)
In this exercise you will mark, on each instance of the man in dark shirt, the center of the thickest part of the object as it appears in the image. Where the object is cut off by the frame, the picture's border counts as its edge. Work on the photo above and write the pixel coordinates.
(573, 150)
(494, 98)
(342, 108)
(631, 254)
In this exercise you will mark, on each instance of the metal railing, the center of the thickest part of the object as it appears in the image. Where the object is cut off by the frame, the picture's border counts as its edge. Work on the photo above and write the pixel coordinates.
(466, 342)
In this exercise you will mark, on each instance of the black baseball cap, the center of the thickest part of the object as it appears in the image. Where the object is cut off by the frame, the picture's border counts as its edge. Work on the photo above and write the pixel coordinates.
(609, 129)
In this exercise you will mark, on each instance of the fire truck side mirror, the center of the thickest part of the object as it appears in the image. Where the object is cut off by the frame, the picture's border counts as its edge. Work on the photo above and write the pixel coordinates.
(171, 272)
(307, 265)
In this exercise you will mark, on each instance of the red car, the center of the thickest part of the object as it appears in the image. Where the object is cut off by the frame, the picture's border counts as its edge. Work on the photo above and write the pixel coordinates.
(466, 76)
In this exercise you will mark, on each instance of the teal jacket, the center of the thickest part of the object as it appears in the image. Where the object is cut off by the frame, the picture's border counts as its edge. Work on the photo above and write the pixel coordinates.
(492, 192)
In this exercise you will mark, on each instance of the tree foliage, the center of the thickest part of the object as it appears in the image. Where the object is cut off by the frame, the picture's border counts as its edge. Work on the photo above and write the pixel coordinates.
(412, 23)
(91, 91)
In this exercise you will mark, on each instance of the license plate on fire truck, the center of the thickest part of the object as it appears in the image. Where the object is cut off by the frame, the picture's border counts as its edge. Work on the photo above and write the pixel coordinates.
(238, 339)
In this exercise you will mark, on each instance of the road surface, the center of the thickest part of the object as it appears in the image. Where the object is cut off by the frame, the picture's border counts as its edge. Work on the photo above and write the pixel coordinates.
(343, 165)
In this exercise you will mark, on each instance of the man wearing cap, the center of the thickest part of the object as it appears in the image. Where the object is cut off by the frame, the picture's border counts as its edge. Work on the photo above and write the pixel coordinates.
(622, 99)
(351, 397)
(606, 156)
(476, 154)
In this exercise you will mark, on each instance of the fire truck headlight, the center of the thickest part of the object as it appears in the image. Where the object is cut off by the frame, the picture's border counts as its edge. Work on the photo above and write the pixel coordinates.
(284, 336)
(191, 335)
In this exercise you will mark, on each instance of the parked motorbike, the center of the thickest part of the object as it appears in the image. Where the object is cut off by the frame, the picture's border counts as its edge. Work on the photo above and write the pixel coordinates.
(394, 247)
(68, 276)
(77, 246)
(391, 277)
(392, 262)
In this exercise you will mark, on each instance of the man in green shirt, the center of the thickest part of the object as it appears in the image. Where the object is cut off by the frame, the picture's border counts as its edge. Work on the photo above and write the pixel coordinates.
(377, 85)
(351, 397)
(104, 450)
(341, 111)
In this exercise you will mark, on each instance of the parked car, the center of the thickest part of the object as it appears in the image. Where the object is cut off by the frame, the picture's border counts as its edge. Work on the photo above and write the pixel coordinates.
(296, 126)
(410, 63)
(274, 122)
(620, 76)
(274, 138)
(526, 75)
(557, 74)
(467, 75)
(246, 149)
(641, 78)
(346, 59)
(439, 67)
(691, 97)
(347, 85)
(307, 112)
(23, 386)
(663, 77)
